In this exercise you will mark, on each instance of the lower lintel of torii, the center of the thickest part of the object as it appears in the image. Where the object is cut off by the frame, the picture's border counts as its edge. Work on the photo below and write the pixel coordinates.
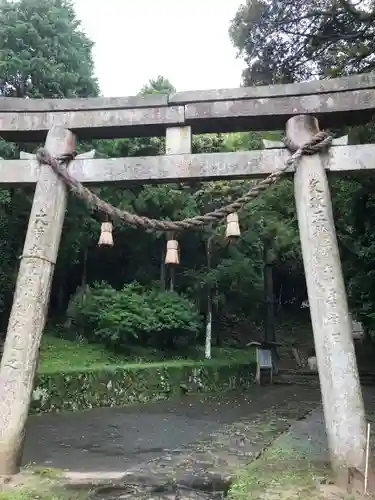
(187, 167)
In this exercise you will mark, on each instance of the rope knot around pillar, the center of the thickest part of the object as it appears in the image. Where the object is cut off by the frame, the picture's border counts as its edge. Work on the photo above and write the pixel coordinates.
(318, 143)
(321, 141)
(45, 158)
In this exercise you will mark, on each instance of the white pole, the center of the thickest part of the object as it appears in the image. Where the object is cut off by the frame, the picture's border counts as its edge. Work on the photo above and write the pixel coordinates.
(367, 455)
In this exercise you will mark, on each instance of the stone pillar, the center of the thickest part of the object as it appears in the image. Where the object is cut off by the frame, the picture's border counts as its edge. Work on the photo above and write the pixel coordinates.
(30, 303)
(339, 381)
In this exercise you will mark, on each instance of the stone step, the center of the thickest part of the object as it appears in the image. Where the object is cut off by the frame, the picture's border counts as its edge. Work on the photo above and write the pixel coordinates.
(307, 377)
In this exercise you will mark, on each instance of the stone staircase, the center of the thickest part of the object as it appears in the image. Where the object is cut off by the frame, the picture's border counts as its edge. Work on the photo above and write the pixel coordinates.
(307, 377)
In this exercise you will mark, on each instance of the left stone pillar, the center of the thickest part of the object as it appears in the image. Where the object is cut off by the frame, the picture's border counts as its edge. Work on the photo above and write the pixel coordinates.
(30, 303)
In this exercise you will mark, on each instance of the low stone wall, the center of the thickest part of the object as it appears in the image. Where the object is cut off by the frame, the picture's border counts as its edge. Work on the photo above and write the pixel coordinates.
(120, 386)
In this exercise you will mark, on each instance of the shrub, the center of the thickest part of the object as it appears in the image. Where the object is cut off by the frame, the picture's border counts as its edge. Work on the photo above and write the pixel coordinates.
(135, 315)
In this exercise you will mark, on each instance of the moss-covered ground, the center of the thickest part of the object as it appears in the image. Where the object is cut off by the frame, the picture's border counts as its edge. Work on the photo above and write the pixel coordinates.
(57, 354)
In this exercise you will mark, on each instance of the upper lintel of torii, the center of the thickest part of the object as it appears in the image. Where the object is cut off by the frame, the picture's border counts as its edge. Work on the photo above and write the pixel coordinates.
(335, 102)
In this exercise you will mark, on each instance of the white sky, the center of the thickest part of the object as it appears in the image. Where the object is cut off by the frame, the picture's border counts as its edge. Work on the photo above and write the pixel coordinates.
(185, 41)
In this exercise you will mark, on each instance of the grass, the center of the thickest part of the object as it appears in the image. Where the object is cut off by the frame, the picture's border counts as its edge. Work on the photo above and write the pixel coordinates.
(42, 493)
(60, 355)
(276, 475)
(27, 494)
(46, 472)
(40, 484)
(281, 474)
(36, 494)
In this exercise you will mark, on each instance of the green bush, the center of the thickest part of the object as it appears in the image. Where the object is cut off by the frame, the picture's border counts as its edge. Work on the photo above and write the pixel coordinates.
(135, 315)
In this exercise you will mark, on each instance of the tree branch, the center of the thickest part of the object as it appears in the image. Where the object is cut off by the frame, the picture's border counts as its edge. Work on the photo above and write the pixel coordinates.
(361, 15)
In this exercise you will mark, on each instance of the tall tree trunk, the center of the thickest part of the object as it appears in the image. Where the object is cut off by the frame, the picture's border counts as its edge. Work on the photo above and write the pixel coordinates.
(84, 269)
(162, 271)
(207, 349)
(269, 329)
(269, 296)
(172, 277)
(218, 331)
(171, 267)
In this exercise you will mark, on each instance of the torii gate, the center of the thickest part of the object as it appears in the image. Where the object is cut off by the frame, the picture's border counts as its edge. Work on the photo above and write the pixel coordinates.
(348, 100)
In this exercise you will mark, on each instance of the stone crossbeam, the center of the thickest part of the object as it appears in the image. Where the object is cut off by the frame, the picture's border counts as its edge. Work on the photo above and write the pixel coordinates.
(188, 167)
(347, 100)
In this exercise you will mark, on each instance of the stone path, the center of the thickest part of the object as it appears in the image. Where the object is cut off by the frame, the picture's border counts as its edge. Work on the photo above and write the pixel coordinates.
(113, 439)
(308, 437)
(297, 463)
(175, 449)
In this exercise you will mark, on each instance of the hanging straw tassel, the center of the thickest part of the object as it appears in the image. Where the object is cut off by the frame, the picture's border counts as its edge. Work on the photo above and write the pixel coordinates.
(172, 255)
(233, 227)
(106, 238)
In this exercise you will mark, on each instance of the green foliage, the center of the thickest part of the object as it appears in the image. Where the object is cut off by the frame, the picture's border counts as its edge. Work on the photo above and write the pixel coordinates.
(92, 387)
(158, 85)
(42, 38)
(297, 40)
(292, 41)
(135, 314)
(173, 312)
(137, 255)
(60, 355)
(354, 208)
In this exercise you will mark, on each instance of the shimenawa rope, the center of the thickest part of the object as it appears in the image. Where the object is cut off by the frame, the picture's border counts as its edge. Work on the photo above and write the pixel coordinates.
(322, 140)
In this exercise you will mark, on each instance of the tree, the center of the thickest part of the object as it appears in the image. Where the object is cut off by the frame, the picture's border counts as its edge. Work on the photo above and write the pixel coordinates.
(40, 40)
(43, 53)
(158, 85)
(293, 40)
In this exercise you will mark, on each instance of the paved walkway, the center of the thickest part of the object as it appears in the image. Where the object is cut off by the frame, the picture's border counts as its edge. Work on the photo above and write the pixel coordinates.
(113, 439)
(308, 437)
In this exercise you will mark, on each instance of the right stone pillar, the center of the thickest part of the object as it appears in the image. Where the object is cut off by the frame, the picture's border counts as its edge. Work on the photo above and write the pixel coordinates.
(338, 373)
